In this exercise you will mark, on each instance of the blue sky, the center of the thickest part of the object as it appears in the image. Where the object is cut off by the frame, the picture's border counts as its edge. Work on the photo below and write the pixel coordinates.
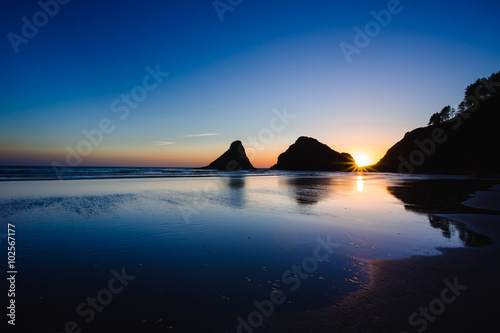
(229, 77)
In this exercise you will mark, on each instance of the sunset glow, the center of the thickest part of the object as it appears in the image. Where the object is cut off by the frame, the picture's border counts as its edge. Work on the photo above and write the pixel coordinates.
(363, 159)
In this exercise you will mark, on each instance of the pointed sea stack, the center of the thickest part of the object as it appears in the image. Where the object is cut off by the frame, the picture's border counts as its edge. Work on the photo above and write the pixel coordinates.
(309, 154)
(233, 159)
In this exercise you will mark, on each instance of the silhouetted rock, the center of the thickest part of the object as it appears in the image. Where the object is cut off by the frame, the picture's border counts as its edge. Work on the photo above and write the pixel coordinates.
(233, 159)
(465, 144)
(309, 154)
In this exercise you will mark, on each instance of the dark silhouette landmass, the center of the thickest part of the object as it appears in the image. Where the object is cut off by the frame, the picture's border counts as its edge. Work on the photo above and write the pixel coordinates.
(233, 159)
(308, 154)
(455, 142)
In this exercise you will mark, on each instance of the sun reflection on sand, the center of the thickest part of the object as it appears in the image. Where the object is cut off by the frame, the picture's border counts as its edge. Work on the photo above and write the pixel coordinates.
(360, 183)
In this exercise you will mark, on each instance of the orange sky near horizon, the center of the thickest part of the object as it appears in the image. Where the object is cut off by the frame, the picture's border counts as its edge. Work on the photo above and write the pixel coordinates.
(160, 156)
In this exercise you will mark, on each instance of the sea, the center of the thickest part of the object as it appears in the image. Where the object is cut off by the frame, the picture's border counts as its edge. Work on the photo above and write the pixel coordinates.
(66, 173)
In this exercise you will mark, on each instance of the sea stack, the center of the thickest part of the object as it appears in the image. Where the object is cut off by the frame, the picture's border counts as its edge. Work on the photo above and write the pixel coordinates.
(233, 159)
(308, 154)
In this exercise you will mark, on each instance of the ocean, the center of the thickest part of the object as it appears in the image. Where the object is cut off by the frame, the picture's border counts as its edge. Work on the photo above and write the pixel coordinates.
(50, 173)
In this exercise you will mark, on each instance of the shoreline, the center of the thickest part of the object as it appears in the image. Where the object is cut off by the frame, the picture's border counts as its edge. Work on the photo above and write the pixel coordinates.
(399, 288)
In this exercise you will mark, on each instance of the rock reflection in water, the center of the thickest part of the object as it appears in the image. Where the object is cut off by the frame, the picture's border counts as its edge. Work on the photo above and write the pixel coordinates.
(449, 227)
(444, 196)
(309, 190)
(236, 186)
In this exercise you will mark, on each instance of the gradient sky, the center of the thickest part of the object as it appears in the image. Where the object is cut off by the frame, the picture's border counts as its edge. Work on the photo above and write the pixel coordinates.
(228, 78)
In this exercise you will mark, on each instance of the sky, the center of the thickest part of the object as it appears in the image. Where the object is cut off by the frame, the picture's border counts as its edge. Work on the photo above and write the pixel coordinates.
(173, 83)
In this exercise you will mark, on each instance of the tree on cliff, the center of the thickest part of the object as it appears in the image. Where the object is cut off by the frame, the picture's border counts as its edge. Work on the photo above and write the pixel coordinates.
(481, 89)
(440, 117)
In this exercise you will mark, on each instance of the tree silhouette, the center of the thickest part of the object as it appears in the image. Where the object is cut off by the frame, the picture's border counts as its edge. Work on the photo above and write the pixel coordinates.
(435, 119)
(440, 117)
(462, 107)
(481, 89)
(446, 113)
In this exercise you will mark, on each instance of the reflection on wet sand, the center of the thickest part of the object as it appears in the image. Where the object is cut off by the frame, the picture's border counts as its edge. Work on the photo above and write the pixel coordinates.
(440, 196)
(309, 190)
(399, 287)
(450, 227)
(236, 182)
(236, 186)
(360, 183)
(444, 196)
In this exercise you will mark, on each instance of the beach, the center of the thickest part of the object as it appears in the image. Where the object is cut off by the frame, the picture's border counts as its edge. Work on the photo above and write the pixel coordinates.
(277, 251)
(406, 295)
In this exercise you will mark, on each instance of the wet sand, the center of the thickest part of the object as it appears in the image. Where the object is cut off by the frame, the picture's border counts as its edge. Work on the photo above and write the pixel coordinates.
(399, 288)
(202, 272)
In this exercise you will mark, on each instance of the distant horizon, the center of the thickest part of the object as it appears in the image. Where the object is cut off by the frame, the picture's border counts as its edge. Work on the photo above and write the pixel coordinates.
(363, 157)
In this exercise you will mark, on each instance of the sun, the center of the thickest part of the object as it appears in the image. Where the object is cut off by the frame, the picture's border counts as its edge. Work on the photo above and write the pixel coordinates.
(362, 159)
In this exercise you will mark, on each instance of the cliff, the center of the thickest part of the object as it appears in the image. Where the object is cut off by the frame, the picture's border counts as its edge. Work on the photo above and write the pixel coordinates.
(465, 144)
